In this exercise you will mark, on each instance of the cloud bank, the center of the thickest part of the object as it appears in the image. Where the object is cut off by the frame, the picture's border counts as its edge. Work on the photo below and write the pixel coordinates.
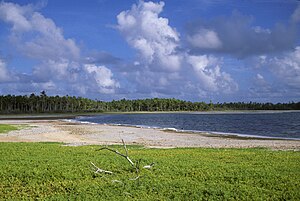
(236, 35)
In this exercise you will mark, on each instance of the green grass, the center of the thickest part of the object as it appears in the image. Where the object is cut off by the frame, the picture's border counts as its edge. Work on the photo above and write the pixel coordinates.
(4, 128)
(49, 171)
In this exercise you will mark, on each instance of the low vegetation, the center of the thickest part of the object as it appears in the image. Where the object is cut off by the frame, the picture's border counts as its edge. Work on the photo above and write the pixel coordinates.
(50, 171)
(4, 128)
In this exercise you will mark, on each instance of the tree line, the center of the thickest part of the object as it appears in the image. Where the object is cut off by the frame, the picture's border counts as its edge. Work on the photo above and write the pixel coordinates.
(70, 104)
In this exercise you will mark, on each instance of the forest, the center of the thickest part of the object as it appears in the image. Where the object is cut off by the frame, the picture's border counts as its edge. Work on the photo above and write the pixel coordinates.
(31, 104)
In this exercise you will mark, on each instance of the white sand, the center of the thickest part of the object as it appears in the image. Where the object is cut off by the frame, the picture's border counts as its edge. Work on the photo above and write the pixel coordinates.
(83, 134)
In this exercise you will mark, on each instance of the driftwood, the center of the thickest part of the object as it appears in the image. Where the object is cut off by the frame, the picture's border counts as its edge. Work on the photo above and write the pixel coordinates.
(136, 165)
(120, 154)
(99, 170)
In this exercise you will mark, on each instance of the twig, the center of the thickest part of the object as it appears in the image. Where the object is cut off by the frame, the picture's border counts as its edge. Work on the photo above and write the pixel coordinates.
(133, 179)
(116, 181)
(148, 166)
(125, 147)
(101, 170)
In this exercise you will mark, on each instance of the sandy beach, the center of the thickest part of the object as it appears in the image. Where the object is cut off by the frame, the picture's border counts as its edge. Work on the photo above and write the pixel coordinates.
(76, 134)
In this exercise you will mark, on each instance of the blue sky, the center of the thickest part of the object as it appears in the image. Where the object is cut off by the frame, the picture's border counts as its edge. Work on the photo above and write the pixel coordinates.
(198, 50)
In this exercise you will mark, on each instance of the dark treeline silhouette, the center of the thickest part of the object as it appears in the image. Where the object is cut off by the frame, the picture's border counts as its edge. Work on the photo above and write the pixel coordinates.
(69, 104)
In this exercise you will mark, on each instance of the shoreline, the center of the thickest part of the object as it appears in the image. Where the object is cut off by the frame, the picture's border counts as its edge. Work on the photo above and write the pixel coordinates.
(76, 134)
(208, 133)
(45, 116)
(204, 133)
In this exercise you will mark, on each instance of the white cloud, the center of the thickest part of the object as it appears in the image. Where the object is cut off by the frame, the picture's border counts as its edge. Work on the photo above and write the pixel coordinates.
(49, 42)
(151, 35)
(160, 69)
(261, 84)
(210, 76)
(60, 66)
(4, 74)
(260, 78)
(62, 69)
(287, 68)
(262, 90)
(36, 36)
(205, 38)
(16, 15)
(102, 77)
(47, 86)
(283, 76)
(296, 15)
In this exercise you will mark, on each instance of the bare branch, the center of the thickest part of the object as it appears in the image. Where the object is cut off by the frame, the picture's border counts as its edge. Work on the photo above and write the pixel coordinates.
(125, 147)
(101, 170)
(135, 165)
(115, 151)
(133, 179)
(120, 154)
(130, 161)
(116, 181)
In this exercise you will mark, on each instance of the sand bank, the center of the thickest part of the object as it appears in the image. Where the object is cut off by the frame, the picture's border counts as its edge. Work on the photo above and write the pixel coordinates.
(85, 134)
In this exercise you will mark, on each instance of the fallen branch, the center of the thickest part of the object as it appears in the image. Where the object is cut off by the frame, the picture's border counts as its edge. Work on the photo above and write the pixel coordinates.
(135, 165)
(117, 152)
(101, 170)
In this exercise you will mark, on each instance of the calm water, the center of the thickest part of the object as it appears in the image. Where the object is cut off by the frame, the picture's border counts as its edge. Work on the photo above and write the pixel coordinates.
(282, 125)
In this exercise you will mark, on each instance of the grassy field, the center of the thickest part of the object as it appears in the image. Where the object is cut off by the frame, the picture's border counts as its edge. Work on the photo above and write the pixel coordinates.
(4, 128)
(50, 171)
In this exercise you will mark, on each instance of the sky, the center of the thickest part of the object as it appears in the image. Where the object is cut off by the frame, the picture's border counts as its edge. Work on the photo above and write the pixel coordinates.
(195, 50)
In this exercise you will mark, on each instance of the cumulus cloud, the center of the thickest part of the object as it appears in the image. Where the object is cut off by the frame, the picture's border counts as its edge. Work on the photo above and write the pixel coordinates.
(162, 69)
(157, 83)
(210, 75)
(264, 90)
(103, 77)
(205, 38)
(16, 15)
(283, 76)
(60, 63)
(35, 35)
(287, 68)
(261, 85)
(101, 58)
(296, 15)
(4, 74)
(237, 36)
(151, 35)
(60, 69)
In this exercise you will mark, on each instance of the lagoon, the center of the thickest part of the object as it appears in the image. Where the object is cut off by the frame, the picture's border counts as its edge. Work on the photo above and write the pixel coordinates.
(284, 125)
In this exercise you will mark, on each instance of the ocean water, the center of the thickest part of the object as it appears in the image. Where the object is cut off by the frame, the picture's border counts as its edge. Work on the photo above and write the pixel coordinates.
(256, 124)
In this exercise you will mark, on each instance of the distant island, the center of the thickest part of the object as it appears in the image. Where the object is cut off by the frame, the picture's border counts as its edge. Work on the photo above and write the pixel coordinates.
(32, 104)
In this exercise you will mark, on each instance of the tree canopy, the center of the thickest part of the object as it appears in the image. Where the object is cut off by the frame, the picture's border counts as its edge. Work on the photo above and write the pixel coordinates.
(69, 104)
